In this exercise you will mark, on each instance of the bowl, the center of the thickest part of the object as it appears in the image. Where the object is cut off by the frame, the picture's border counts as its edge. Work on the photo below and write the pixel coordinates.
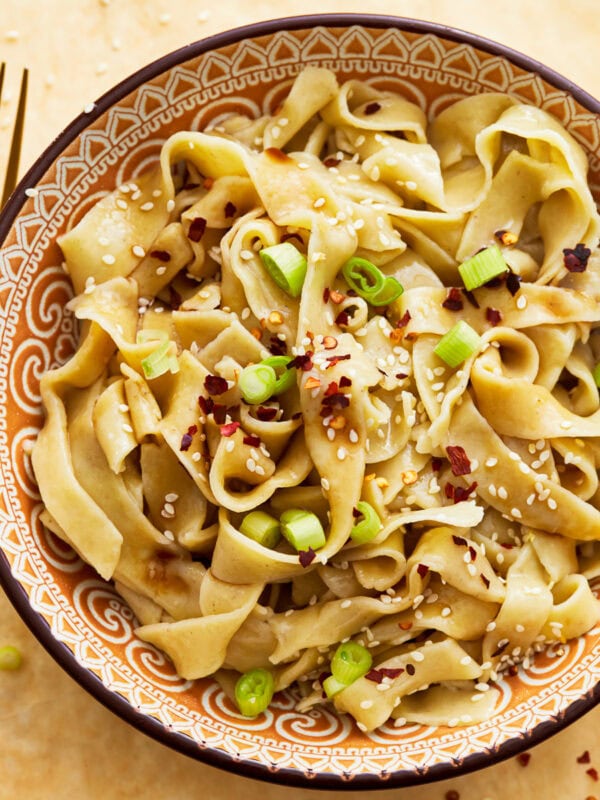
(79, 618)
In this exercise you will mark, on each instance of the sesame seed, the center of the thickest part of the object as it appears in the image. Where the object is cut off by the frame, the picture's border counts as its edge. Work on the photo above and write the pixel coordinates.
(519, 628)
(147, 206)
(127, 428)
(170, 205)
(565, 425)
(492, 490)
(138, 251)
(465, 661)
(446, 611)
(31, 192)
(491, 626)
(319, 202)
(482, 687)
(522, 302)
(246, 255)
(418, 656)
(341, 453)
(230, 446)
(472, 569)
(161, 270)
(502, 493)
(552, 504)
(196, 456)
(515, 512)
(331, 436)
(108, 259)
(353, 436)
(87, 109)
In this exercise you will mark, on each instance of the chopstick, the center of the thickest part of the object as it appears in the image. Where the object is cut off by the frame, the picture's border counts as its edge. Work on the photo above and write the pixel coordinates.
(12, 169)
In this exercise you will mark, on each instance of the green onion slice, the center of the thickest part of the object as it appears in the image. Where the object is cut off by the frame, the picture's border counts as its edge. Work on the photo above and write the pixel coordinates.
(370, 283)
(261, 527)
(258, 382)
(302, 529)
(286, 378)
(350, 662)
(286, 265)
(596, 374)
(482, 267)
(458, 344)
(10, 657)
(331, 686)
(254, 691)
(368, 527)
(160, 361)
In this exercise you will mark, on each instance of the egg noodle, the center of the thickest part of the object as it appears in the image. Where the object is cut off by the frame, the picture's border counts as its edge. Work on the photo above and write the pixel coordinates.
(481, 477)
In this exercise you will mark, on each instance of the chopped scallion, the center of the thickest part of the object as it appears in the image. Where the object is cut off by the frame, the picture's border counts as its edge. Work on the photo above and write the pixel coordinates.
(331, 686)
(350, 662)
(261, 527)
(370, 283)
(596, 374)
(286, 265)
(10, 657)
(159, 361)
(482, 267)
(368, 527)
(458, 344)
(258, 382)
(302, 529)
(254, 691)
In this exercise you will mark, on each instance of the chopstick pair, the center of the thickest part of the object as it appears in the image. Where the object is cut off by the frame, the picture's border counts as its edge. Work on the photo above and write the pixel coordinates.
(12, 169)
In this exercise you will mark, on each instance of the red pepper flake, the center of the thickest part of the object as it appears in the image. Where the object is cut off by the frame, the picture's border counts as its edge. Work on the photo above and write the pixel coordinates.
(436, 464)
(584, 758)
(422, 570)
(472, 553)
(377, 675)
(459, 461)
(277, 347)
(331, 162)
(486, 581)
(197, 228)
(405, 626)
(410, 668)
(343, 318)
(338, 400)
(453, 301)
(229, 429)
(513, 282)
(372, 108)
(336, 297)
(312, 382)
(161, 255)
(215, 384)
(459, 541)
(332, 388)
(252, 441)
(230, 209)
(524, 759)
(498, 651)
(506, 546)
(333, 360)
(326, 294)
(575, 260)
(266, 413)
(345, 382)
(404, 320)
(330, 342)
(593, 773)
(461, 494)
(277, 155)
(303, 362)
(493, 315)
(452, 795)
(186, 439)
(206, 404)
(506, 237)
(306, 557)
(513, 670)
(449, 491)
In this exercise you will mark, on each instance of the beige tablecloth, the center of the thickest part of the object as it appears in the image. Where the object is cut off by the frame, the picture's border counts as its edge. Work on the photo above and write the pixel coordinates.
(55, 740)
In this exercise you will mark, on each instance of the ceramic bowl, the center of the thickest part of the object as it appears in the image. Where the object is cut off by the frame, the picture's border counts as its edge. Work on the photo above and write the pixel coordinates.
(79, 618)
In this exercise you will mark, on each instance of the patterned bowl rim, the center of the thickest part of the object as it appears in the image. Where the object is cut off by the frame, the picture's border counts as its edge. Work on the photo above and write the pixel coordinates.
(17, 594)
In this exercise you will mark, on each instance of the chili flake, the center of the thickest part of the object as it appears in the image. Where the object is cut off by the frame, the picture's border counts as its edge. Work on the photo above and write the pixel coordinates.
(312, 382)
(277, 347)
(493, 315)
(336, 297)
(453, 301)
(372, 108)
(593, 773)
(161, 255)
(206, 404)
(197, 229)
(186, 439)
(459, 461)
(230, 209)
(215, 384)
(524, 759)
(345, 382)
(461, 493)
(459, 541)
(506, 237)
(175, 299)
(513, 282)
(575, 260)
(229, 429)
(436, 464)
(331, 162)
(405, 626)
(377, 675)
(326, 294)
(422, 570)
(343, 318)
(333, 360)
(303, 362)
(486, 581)
(306, 557)
(470, 297)
(219, 411)
(410, 668)
(266, 413)
(452, 795)
(252, 441)
(584, 758)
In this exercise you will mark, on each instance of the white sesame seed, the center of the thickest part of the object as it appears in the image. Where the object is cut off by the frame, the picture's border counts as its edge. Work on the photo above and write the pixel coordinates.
(418, 656)
(502, 493)
(345, 603)
(31, 192)
(230, 446)
(446, 611)
(87, 109)
(491, 626)
(519, 628)
(465, 661)
(127, 428)
(522, 302)
(147, 206)
(552, 504)
(319, 202)
(341, 453)
(138, 251)
(170, 205)
(516, 513)
(472, 569)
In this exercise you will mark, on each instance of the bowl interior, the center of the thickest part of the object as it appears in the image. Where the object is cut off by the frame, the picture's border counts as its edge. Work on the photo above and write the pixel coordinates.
(80, 618)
